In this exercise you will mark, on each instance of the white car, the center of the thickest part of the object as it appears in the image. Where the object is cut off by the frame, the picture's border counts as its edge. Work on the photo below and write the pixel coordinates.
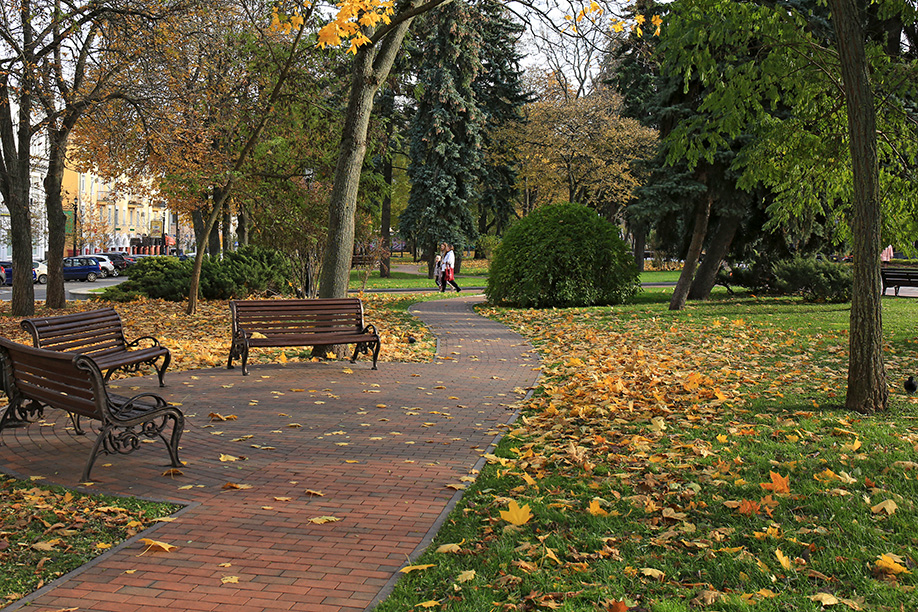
(108, 268)
(41, 272)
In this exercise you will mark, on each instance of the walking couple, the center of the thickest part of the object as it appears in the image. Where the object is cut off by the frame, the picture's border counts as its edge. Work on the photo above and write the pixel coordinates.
(443, 268)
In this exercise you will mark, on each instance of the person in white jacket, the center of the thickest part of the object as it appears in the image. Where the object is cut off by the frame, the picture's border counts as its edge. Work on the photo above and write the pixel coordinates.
(449, 263)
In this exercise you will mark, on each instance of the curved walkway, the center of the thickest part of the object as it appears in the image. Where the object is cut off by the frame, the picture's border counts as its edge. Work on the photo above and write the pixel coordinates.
(385, 448)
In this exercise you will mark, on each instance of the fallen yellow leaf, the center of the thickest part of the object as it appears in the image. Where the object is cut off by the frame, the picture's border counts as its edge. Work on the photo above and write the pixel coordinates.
(413, 568)
(826, 599)
(466, 576)
(888, 506)
(891, 564)
(450, 548)
(157, 546)
(785, 562)
(516, 515)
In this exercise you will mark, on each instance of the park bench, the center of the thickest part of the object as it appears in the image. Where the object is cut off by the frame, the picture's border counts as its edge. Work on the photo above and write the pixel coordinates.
(318, 322)
(359, 260)
(99, 334)
(899, 277)
(34, 378)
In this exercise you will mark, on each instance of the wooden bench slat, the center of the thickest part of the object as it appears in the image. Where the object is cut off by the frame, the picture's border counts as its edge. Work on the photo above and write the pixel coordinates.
(898, 277)
(98, 333)
(283, 323)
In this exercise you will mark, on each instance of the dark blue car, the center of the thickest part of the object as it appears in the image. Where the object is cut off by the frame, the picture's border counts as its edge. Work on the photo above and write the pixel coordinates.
(81, 268)
(6, 277)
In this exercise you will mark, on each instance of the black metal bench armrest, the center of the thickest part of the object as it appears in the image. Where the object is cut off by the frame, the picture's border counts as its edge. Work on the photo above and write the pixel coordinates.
(137, 341)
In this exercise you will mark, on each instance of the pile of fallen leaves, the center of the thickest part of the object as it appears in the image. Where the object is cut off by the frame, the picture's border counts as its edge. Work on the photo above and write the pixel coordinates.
(667, 464)
(202, 340)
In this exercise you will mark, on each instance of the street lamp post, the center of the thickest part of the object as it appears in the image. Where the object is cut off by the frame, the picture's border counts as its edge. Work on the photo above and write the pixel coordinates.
(76, 214)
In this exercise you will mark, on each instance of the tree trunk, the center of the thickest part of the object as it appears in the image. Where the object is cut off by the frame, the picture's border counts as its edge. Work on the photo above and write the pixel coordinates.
(640, 245)
(213, 236)
(867, 390)
(699, 231)
(227, 230)
(23, 300)
(385, 220)
(372, 63)
(706, 276)
(242, 227)
(198, 223)
(57, 220)
(208, 226)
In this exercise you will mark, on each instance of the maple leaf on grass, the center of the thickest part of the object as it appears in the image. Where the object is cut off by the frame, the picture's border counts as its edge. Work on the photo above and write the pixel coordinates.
(779, 484)
(516, 515)
(415, 568)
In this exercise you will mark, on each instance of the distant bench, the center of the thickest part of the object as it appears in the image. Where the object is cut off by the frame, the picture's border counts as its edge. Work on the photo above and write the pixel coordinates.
(363, 261)
(899, 277)
(99, 334)
(34, 378)
(318, 322)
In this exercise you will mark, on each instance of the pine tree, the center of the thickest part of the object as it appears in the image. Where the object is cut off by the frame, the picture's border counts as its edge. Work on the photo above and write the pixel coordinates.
(501, 94)
(446, 135)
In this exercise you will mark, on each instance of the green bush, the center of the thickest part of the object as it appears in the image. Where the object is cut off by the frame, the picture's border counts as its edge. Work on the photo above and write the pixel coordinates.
(816, 280)
(562, 255)
(248, 271)
(487, 244)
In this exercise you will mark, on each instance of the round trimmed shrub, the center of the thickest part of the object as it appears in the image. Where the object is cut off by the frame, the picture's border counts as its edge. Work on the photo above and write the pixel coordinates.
(562, 255)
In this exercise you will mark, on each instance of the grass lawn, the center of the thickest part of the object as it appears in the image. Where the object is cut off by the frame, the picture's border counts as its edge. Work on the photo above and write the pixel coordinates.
(407, 280)
(46, 532)
(685, 461)
(665, 276)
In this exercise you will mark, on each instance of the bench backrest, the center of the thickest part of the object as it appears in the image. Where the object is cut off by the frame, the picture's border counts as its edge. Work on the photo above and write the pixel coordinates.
(95, 332)
(895, 273)
(59, 380)
(317, 316)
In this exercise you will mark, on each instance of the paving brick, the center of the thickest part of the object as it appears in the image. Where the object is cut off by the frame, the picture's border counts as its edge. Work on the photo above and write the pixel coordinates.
(388, 501)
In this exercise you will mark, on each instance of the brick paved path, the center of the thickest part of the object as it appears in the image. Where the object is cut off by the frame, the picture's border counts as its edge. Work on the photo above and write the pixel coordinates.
(382, 446)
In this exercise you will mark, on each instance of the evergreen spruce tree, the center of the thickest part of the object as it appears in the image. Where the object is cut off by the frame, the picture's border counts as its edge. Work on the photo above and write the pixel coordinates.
(501, 94)
(445, 154)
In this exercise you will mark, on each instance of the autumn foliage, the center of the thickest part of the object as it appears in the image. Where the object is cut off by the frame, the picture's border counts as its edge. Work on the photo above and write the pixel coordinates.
(682, 463)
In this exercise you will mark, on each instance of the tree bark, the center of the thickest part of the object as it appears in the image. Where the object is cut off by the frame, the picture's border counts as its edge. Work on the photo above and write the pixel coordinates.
(227, 229)
(867, 391)
(706, 276)
(640, 245)
(213, 236)
(372, 64)
(57, 220)
(699, 231)
(385, 221)
(211, 221)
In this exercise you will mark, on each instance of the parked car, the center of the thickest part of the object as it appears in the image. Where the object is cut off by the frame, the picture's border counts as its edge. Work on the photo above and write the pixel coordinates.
(83, 268)
(107, 265)
(8, 272)
(120, 260)
(41, 272)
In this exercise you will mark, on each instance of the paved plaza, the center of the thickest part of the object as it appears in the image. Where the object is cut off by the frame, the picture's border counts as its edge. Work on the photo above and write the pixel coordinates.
(384, 451)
